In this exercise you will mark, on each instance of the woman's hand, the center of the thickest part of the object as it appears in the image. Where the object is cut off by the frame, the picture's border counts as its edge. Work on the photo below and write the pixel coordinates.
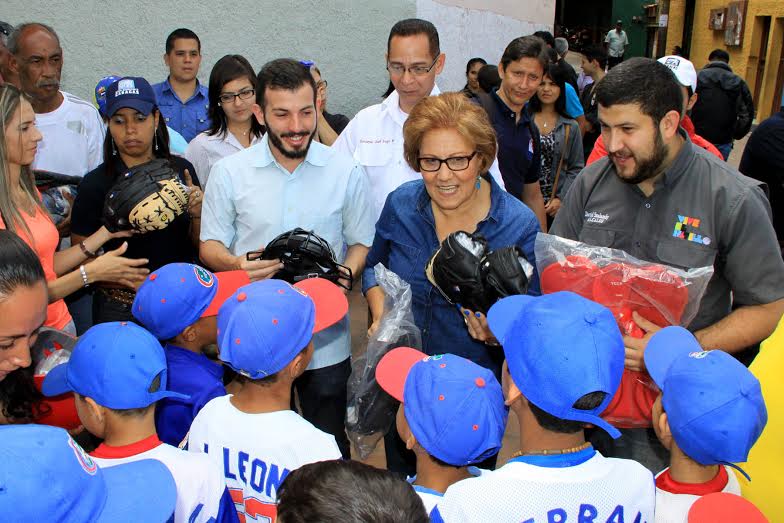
(113, 267)
(552, 207)
(195, 197)
(477, 327)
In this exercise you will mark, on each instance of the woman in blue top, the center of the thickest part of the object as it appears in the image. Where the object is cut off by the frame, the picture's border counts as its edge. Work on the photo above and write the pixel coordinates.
(450, 141)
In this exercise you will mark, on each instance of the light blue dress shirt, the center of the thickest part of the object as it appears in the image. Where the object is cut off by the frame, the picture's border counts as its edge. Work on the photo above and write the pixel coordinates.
(251, 199)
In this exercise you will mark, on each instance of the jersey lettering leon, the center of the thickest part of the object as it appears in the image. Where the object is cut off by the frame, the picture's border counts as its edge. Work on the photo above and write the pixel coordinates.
(259, 480)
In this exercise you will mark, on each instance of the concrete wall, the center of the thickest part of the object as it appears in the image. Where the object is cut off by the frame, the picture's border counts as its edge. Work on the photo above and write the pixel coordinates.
(346, 38)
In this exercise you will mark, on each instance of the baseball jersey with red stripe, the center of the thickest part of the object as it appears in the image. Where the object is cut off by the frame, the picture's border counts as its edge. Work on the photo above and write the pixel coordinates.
(257, 451)
(674, 499)
(202, 496)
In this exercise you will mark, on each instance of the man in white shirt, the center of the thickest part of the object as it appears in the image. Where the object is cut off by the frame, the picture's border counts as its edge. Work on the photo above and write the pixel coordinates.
(72, 129)
(616, 43)
(375, 136)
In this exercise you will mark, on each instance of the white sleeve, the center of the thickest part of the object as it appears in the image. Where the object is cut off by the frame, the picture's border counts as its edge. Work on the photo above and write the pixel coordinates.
(347, 140)
(196, 153)
(96, 132)
(607, 38)
(196, 438)
(218, 212)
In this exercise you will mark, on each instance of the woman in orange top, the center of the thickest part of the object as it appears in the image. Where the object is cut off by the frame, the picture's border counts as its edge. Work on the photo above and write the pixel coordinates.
(22, 212)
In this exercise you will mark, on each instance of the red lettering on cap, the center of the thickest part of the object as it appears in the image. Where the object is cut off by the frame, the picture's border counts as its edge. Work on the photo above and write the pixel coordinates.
(479, 382)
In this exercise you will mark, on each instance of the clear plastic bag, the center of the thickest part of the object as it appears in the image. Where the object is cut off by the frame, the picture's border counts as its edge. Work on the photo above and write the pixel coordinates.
(51, 348)
(371, 411)
(662, 294)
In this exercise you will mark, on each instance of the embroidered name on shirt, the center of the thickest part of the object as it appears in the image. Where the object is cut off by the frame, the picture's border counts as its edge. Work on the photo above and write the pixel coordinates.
(686, 229)
(596, 217)
(377, 140)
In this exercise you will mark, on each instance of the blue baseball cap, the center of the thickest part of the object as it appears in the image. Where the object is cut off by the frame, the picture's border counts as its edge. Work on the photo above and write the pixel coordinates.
(46, 475)
(175, 296)
(130, 91)
(714, 404)
(114, 364)
(100, 92)
(264, 325)
(560, 347)
(455, 408)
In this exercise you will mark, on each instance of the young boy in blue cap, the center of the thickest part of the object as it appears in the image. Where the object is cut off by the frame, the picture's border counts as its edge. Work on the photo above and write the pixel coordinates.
(265, 333)
(178, 304)
(564, 359)
(709, 414)
(46, 476)
(452, 415)
(118, 372)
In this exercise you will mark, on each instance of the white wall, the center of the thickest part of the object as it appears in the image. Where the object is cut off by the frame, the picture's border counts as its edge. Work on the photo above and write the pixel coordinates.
(346, 38)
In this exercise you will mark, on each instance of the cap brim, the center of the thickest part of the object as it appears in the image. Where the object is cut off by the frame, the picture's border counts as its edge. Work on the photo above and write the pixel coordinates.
(724, 507)
(138, 491)
(164, 394)
(56, 382)
(393, 369)
(133, 103)
(228, 283)
(330, 302)
(664, 347)
(503, 313)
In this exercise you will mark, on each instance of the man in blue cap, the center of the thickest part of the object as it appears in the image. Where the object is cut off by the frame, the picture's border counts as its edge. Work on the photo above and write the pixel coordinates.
(564, 359)
(709, 414)
(179, 305)
(452, 415)
(118, 372)
(46, 475)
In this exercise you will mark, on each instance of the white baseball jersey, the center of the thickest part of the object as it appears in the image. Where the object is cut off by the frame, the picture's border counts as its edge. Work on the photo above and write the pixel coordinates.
(257, 451)
(200, 485)
(430, 497)
(673, 507)
(72, 141)
(597, 489)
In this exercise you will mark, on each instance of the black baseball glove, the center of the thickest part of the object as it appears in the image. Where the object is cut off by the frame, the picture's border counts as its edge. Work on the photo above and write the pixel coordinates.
(146, 198)
(505, 272)
(304, 255)
(454, 270)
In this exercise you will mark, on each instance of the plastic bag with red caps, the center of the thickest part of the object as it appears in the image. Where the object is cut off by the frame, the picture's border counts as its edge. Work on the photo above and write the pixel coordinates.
(52, 348)
(624, 284)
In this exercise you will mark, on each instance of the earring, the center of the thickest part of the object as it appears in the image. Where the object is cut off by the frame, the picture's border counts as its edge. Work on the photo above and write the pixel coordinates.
(478, 182)
(156, 140)
(114, 151)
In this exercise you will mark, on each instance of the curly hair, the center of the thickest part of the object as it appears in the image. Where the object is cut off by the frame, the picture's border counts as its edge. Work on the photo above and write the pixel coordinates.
(449, 111)
(20, 400)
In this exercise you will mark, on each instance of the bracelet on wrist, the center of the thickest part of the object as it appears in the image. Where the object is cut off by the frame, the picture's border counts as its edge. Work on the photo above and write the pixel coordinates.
(83, 272)
(87, 252)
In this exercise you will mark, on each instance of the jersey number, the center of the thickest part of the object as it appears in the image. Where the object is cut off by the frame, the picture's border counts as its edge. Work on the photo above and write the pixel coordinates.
(252, 509)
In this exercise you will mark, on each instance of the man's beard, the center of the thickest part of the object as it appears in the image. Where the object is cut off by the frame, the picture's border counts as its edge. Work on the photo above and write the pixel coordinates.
(277, 141)
(649, 167)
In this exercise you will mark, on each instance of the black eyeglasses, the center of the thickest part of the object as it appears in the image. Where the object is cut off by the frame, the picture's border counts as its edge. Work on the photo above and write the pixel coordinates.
(245, 94)
(455, 163)
(416, 70)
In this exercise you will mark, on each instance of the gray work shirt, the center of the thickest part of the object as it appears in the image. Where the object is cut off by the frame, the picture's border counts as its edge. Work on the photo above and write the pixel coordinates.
(702, 212)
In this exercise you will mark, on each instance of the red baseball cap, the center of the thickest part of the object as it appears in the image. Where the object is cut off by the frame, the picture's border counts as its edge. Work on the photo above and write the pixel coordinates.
(574, 274)
(228, 283)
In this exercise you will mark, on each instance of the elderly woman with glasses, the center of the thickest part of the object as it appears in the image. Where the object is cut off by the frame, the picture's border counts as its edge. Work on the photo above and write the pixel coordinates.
(234, 128)
(450, 142)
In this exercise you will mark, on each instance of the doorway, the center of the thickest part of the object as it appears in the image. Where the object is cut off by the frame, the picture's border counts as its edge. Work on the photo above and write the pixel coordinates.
(760, 46)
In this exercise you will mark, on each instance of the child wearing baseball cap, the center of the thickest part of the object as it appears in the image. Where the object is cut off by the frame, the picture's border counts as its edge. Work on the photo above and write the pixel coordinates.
(46, 476)
(265, 333)
(178, 304)
(117, 373)
(709, 414)
(564, 359)
(452, 415)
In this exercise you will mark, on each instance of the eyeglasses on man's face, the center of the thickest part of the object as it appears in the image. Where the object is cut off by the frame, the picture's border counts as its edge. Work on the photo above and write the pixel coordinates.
(396, 69)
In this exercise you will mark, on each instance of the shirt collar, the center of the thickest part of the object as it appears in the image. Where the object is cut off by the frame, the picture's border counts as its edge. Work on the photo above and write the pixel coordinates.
(497, 202)
(200, 89)
(680, 163)
(507, 110)
(557, 461)
(317, 155)
(393, 100)
(125, 451)
(193, 358)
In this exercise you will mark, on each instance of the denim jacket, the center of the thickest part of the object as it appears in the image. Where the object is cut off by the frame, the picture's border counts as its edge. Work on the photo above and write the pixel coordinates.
(406, 238)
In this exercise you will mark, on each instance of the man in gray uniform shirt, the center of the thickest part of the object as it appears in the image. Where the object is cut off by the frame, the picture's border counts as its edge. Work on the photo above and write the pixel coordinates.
(655, 179)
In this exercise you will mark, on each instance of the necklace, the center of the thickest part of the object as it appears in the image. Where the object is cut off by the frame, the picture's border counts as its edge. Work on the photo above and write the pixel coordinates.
(572, 450)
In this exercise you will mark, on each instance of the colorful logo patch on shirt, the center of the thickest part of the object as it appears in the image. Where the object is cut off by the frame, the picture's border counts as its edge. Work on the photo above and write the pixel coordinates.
(84, 459)
(686, 229)
(203, 276)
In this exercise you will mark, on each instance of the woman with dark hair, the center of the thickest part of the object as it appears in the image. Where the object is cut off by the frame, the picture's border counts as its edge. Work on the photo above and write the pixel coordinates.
(23, 302)
(559, 138)
(137, 135)
(472, 87)
(234, 128)
(22, 212)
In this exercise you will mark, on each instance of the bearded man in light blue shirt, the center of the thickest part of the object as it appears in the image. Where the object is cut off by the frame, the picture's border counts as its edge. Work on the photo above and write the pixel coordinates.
(283, 182)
